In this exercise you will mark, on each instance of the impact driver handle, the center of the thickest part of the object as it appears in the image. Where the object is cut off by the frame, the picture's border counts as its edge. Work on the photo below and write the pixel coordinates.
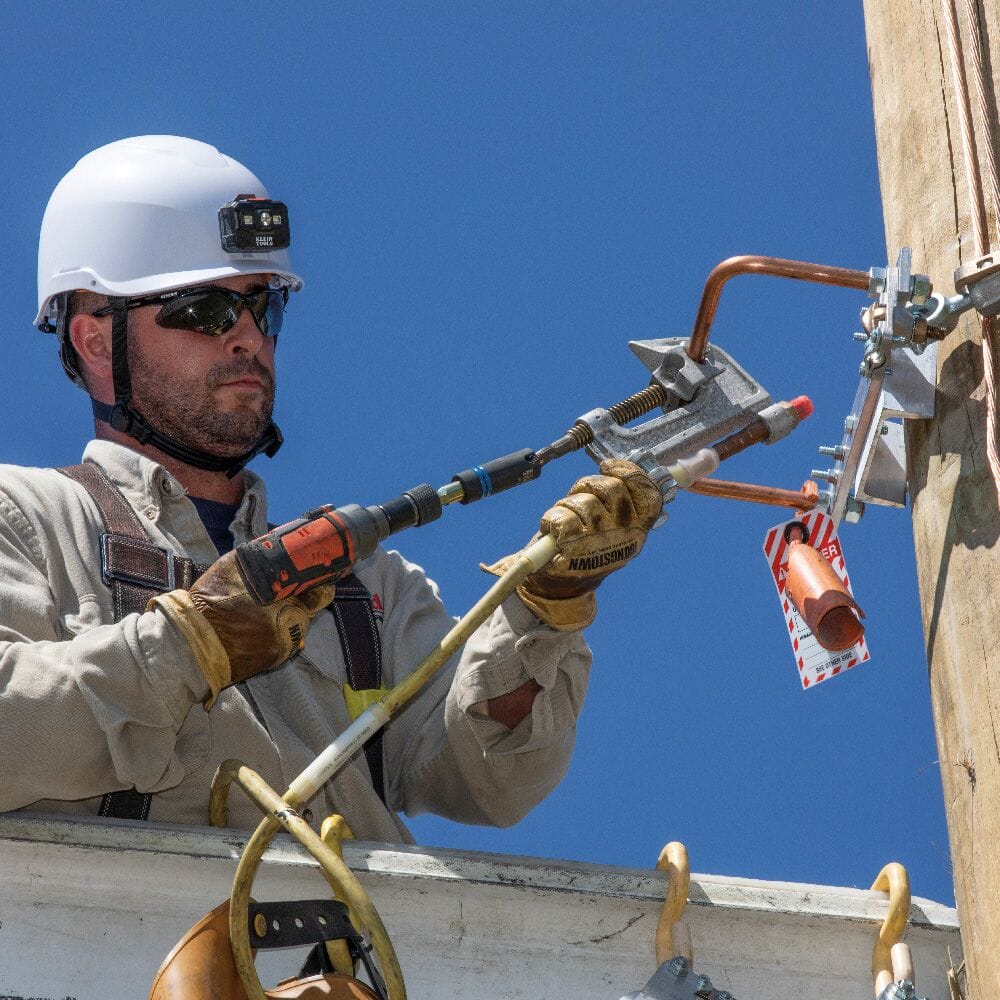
(323, 545)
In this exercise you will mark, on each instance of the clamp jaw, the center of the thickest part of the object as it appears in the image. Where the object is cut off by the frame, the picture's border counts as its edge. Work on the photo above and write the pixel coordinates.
(903, 989)
(701, 401)
(676, 980)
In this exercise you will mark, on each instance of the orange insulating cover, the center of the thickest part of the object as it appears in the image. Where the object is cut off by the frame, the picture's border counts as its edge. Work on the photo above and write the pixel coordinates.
(822, 600)
(322, 541)
(201, 967)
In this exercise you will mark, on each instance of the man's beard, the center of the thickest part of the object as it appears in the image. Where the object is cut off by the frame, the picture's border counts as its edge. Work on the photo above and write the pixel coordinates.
(190, 415)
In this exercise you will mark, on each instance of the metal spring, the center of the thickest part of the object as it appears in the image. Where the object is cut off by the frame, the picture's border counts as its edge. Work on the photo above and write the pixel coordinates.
(641, 403)
(580, 435)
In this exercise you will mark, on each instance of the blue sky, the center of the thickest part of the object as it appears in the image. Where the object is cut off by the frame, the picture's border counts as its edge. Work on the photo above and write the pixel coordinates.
(488, 202)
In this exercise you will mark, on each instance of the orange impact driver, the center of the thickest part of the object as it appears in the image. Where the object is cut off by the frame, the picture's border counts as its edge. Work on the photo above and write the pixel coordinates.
(324, 544)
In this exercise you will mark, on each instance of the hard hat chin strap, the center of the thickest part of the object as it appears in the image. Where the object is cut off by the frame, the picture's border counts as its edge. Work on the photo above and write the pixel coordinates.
(123, 417)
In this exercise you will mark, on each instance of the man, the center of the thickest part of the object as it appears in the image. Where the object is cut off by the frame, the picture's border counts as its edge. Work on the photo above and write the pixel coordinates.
(126, 672)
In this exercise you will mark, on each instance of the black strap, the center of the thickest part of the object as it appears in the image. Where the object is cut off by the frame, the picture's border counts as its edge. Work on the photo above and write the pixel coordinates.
(300, 922)
(359, 636)
(126, 804)
(132, 566)
(135, 569)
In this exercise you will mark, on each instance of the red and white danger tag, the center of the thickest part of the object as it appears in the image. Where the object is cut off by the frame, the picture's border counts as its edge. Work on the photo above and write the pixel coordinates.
(814, 662)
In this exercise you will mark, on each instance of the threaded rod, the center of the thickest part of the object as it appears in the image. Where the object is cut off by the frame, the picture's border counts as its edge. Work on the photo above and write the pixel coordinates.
(580, 435)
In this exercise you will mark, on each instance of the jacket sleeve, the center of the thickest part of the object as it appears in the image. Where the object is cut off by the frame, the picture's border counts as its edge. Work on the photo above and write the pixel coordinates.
(85, 708)
(443, 752)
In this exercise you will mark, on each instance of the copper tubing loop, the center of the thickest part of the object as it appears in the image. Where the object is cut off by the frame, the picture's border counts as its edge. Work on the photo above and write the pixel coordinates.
(821, 274)
(804, 499)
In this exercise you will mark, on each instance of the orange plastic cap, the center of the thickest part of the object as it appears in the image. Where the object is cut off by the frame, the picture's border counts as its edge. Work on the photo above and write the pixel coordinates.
(803, 406)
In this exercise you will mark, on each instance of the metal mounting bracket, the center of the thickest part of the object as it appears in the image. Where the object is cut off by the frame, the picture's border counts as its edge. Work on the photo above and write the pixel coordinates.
(897, 383)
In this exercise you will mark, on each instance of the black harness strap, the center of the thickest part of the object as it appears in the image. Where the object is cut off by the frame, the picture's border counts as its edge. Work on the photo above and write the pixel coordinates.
(135, 569)
(359, 637)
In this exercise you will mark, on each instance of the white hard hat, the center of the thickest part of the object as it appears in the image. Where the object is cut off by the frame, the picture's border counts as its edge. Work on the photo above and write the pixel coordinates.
(141, 215)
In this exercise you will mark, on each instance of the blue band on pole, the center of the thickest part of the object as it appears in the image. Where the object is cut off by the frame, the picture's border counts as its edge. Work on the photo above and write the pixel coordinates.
(484, 480)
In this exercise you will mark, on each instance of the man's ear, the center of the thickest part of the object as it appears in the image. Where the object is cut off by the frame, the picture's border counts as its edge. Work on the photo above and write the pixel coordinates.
(91, 339)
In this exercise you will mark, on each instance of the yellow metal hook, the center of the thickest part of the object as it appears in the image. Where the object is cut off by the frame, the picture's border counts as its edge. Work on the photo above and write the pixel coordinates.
(673, 937)
(891, 960)
(334, 831)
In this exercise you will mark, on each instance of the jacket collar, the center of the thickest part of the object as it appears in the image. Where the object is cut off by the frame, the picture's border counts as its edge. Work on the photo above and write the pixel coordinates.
(159, 497)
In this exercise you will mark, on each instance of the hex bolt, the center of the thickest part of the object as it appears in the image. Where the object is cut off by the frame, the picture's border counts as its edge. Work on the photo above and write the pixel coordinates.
(860, 336)
(837, 451)
(876, 281)
(830, 475)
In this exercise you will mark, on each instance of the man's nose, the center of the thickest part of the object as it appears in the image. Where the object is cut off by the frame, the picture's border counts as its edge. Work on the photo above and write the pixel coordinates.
(245, 335)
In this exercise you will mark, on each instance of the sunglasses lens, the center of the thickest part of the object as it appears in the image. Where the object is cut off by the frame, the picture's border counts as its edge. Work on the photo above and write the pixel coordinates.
(211, 312)
(215, 311)
(268, 310)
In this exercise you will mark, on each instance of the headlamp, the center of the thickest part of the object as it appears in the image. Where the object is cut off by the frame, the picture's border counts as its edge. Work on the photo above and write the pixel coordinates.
(254, 225)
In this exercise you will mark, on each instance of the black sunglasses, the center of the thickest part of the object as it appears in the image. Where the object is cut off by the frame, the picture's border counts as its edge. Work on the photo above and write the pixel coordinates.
(211, 310)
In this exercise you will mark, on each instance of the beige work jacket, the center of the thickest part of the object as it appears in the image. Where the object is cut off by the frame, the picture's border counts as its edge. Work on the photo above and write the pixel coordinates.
(89, 706)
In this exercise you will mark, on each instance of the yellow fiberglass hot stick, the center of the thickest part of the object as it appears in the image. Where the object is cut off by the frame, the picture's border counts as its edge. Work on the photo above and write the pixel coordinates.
(282, 812)
(305, 786)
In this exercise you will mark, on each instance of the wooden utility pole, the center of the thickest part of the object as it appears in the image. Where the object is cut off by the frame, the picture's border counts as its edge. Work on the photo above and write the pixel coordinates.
(955, 516)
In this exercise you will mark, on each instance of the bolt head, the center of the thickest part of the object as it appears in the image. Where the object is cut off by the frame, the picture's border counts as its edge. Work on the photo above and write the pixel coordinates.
(678, 966)
(854, 511)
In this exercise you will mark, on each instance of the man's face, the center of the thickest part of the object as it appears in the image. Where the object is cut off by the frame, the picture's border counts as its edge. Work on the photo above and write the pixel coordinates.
(215, 394)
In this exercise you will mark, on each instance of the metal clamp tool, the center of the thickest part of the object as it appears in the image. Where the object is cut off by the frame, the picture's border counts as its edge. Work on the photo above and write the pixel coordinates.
(677, 980)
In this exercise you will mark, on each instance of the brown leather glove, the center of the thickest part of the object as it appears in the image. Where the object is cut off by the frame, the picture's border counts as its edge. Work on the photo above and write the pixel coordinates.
(231, 635)
(600, 525)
